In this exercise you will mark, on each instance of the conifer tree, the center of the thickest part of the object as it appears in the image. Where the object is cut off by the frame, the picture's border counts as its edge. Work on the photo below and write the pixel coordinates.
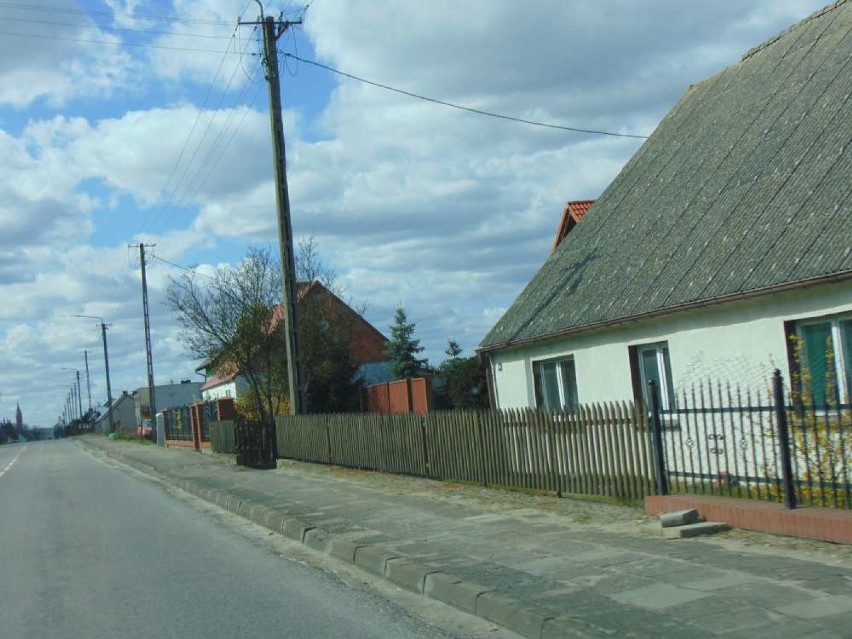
(403, 349)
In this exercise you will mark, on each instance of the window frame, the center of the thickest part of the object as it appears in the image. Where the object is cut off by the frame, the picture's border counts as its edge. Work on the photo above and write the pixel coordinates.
(662, 358)
(842, 368)
(565, 397)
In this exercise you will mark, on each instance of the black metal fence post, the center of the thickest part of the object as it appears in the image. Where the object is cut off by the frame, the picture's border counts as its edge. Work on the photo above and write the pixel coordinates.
(657, 439)
(783, 440)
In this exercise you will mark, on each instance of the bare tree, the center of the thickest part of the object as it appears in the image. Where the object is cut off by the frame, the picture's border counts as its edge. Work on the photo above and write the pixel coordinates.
(232, 319)
(228, 319)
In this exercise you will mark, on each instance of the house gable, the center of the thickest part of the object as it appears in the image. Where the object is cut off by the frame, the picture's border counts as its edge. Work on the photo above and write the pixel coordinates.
(742, 190)
(571, 216)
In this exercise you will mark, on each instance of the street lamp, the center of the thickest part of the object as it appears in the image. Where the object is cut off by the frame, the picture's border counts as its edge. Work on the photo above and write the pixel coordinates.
(106, 366)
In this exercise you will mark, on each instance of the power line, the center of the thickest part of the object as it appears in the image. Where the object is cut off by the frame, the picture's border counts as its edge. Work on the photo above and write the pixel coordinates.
(114, 14)
(461, 107)
(115, 29)
(142, 45)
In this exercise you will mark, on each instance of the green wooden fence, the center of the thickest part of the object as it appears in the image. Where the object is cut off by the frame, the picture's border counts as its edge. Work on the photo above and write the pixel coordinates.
(598, 450)
(223, 437)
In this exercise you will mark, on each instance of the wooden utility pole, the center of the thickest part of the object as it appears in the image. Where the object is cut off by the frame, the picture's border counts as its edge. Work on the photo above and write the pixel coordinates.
(271, 32)
(152, 405)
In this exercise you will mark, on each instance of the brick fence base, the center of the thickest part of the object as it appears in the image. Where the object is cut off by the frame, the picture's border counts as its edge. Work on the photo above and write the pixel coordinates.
(824, 524)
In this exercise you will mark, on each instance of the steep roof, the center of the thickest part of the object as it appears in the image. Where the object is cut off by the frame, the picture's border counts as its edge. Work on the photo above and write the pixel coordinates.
(744, 188)
(571, 216)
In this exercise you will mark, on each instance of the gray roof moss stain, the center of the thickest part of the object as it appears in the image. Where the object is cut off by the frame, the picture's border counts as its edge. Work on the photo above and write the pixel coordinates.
(745, 185)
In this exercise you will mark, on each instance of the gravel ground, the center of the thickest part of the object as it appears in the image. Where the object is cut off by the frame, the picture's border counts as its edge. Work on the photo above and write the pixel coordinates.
(586, 513)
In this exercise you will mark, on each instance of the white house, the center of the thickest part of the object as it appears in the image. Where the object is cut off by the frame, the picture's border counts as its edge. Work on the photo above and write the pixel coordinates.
(220, 385)
(724, 239)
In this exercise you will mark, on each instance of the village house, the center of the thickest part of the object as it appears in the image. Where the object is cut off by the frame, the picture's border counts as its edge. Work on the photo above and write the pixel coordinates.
(721, 251)
(367, 345)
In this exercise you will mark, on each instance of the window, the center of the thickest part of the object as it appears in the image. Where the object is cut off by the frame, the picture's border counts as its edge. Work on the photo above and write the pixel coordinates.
(651, 362)
(823, 351)
(555, 384)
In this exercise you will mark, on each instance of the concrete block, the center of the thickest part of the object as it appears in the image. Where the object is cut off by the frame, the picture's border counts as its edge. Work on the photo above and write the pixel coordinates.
(453, 591)
(567, 628)
(316, 539)
(258, 514)
(344, 549)
(679, 518)
(408, 574)
(373, 559)
(694, 530)
(295, 529)
(511, 614)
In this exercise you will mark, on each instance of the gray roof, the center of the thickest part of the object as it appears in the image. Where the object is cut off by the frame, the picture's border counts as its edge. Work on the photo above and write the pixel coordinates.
(744, 188)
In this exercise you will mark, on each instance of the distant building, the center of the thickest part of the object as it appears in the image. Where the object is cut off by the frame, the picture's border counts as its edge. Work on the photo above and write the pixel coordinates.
(165, 396)
(123, 416)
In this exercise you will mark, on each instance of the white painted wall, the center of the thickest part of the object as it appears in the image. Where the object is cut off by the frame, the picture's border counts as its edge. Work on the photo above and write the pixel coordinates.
(232, 389)
(738, 342)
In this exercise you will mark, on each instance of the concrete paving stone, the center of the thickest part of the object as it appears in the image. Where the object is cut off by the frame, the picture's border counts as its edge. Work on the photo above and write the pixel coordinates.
(667, 570)
(711, 605)
(453, 591)
(819, 607)
(495, 575)
(721, 582)
(576, 602)
(373, 559)
(554, 567)
(631, 623)
(607, 584)
(737, 619)
(658, 596)
(487, 518)
(791, 630)
(841, 623)
(765, 595)
(527, 621)
(567, 628)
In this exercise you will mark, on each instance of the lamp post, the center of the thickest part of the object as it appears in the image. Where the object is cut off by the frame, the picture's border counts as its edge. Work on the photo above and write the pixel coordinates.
(106, 366)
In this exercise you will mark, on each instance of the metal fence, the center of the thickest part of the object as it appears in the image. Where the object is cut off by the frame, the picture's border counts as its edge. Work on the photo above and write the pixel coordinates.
(773, 445)
(178, 423)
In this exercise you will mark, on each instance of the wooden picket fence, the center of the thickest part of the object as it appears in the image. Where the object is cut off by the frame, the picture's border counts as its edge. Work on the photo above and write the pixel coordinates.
(598, 450)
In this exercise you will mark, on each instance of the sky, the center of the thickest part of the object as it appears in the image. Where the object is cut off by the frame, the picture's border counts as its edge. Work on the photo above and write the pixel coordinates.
(146, 121)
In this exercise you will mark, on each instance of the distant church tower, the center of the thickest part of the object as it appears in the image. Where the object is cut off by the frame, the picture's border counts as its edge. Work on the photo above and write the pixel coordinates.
(19, 417)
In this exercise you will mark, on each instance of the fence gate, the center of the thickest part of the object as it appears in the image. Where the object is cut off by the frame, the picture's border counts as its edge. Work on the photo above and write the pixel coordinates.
(255, 444)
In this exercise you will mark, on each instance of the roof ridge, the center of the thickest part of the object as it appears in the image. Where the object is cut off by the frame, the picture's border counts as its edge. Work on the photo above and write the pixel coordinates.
(816, 14)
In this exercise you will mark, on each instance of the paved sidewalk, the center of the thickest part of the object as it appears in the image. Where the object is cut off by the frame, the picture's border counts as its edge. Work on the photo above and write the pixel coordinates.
(527, 568)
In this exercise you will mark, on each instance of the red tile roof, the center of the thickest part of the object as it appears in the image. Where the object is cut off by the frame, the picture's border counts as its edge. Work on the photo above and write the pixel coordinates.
(571, 216)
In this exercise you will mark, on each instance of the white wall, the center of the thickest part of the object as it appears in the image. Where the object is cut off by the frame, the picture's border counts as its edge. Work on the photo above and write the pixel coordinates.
(233, 389)
(738, 342)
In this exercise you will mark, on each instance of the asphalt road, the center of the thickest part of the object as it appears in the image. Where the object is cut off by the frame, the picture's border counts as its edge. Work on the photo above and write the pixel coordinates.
(90, 551)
